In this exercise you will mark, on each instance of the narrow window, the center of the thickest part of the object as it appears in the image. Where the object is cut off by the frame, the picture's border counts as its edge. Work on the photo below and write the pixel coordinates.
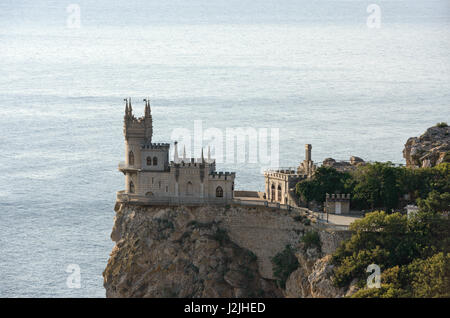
(219, 192)
(279, 194)
(149, 161)
(272, 194)
(131, 158)
(131, 187)
(189, 188)
(155, 161)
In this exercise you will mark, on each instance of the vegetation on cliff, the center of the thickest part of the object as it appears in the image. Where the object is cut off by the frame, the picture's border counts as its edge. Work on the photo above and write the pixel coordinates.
(284, 263)
(413, 253)
(377, 185)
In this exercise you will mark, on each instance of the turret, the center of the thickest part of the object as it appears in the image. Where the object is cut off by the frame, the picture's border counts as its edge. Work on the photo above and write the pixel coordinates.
(147, 107)
(148, 121)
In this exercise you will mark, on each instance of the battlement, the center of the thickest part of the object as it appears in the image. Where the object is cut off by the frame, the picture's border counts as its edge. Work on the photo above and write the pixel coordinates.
(222, 175)
(337, 197)
(272, 172)
(164, 146)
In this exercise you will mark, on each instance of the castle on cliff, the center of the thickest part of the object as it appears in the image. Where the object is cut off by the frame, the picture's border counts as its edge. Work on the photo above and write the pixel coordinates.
(151, 178)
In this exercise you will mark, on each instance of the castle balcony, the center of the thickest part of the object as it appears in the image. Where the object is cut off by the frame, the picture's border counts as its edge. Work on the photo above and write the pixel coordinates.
(123, 167)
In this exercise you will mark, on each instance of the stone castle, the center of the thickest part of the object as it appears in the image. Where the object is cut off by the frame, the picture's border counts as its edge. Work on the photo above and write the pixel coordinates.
(151, 178)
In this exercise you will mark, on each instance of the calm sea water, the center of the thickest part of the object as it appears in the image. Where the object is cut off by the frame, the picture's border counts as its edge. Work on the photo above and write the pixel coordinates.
(313, 69)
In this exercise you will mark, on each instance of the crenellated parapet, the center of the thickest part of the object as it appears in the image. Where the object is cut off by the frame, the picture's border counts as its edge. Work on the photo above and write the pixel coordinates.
(337, 197)
(160, 146)
(222, 175)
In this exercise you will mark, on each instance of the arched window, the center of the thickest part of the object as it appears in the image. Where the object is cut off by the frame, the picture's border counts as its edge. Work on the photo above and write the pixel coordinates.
(131, 158)
(131, 187)
(155, 161)
(219, 192)
(279, 194)
(189, 188)
(272, 194)
(149, 161)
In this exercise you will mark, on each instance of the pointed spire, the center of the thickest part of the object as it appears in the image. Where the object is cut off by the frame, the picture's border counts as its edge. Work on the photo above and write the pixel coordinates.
(175, 153)
(209, 153)
(126, 106)
(130, 109)
(146, 110)
(184, 152)
(203, 158)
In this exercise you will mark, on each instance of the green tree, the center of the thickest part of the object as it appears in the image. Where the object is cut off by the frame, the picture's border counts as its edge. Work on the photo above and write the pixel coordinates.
(376, 186)
(325, 180)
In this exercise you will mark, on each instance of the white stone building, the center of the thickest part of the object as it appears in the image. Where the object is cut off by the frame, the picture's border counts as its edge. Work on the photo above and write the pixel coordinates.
(280, 183)
(151, 178)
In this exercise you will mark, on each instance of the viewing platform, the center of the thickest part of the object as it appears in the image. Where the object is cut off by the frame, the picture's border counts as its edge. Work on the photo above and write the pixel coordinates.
(123, 167)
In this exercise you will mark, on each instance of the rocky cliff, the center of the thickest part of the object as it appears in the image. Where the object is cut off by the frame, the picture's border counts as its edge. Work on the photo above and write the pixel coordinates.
(213, 252)
(430, 149)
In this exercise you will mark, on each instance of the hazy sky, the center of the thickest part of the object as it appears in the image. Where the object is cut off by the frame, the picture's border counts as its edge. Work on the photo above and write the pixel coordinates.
(23, 13)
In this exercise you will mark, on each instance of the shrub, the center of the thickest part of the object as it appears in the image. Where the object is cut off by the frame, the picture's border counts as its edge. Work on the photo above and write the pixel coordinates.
(311, 239)
(284, 263)
(221, 236)
(442, 125)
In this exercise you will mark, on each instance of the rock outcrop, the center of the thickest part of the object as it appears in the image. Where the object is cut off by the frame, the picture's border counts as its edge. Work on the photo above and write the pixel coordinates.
(211, 252)
(313, 278)
(343, 165)
(430, 149)
(172, 252)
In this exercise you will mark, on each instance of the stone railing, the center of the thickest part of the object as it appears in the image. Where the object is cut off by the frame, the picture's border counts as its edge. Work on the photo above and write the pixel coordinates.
(316, 218)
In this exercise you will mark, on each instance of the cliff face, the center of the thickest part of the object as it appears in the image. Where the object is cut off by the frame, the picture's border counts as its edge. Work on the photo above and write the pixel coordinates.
(430, 149)
(209, 252)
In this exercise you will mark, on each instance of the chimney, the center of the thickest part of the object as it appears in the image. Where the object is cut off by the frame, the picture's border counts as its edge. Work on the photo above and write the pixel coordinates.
(308, 152)
(175, 152)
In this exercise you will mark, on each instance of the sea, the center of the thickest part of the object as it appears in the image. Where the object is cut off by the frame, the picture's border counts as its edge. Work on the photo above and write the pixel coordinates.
(350, 77)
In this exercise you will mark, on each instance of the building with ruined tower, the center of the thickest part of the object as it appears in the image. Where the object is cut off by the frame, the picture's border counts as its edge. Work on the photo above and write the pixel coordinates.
(151, 178)
(280, 183)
